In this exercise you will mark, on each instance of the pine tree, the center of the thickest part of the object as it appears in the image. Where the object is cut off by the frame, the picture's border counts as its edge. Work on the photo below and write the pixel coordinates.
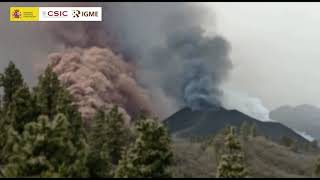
(295, 146)
(314, 144)
(245, 130)
(45, 149)
(9, 150)
(16, 107)
(108, 138)
(11, 80)
(15, 102)
(48, 93)
(21, 109)
(232, 163)
(253, 130)
(7, 125)
(9, 136)
(52, 98)
(3, 124)
(2, 129)
(226, 130)
(150, 156)
(317, 168)
(287, 141)
(126, 167)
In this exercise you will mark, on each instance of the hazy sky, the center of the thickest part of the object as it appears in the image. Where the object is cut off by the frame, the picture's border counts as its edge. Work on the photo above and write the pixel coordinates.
(276, 50)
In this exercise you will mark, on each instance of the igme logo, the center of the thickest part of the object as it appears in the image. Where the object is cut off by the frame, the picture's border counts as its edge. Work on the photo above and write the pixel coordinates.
(78, 13)
(75, 13)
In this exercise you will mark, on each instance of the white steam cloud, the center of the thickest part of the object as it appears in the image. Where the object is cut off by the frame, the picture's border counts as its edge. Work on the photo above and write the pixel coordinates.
(305, 135)
(242, 102)
(252, 107)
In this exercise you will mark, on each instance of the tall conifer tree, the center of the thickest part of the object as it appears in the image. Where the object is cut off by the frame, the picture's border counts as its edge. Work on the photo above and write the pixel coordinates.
(232, 162)
(150, 156)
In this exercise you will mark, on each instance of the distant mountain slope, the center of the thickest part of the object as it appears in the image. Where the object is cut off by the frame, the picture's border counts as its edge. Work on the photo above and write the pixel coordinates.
(305, 118)
(202, 123)
(265, 159)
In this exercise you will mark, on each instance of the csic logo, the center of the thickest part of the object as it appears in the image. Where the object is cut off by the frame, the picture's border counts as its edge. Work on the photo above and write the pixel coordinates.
(55, 13)
(16, 14)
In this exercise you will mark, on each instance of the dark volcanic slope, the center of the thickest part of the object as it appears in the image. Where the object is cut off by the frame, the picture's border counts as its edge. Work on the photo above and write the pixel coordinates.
(202, 123)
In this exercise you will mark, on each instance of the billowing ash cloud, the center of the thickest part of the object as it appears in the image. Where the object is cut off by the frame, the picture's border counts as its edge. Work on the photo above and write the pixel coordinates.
(96, 77)
(79, 34)
(88, 66)
(176, 60)
(205, 62)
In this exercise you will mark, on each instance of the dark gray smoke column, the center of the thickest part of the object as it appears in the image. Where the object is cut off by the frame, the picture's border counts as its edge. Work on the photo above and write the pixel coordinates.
(204, 63)
(178, 63)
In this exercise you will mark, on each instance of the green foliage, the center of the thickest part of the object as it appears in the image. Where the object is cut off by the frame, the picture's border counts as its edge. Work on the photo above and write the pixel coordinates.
(295, 146)
(5, 123)
(287, 141)
(52, 98)
(11, 80)
(21, 109)
(253, 130)
(232, 163)
(16, 105)
(317, 168)
(49, 94)
(28, 142)
(248, 130)
(45, 149)
(108, 138)
(10, 137)
(226, 130)
(245, 130)
(314, 144)
(151, 154)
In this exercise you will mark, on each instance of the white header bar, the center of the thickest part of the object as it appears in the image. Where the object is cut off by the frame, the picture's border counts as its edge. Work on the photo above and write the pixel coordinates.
(70, 14)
